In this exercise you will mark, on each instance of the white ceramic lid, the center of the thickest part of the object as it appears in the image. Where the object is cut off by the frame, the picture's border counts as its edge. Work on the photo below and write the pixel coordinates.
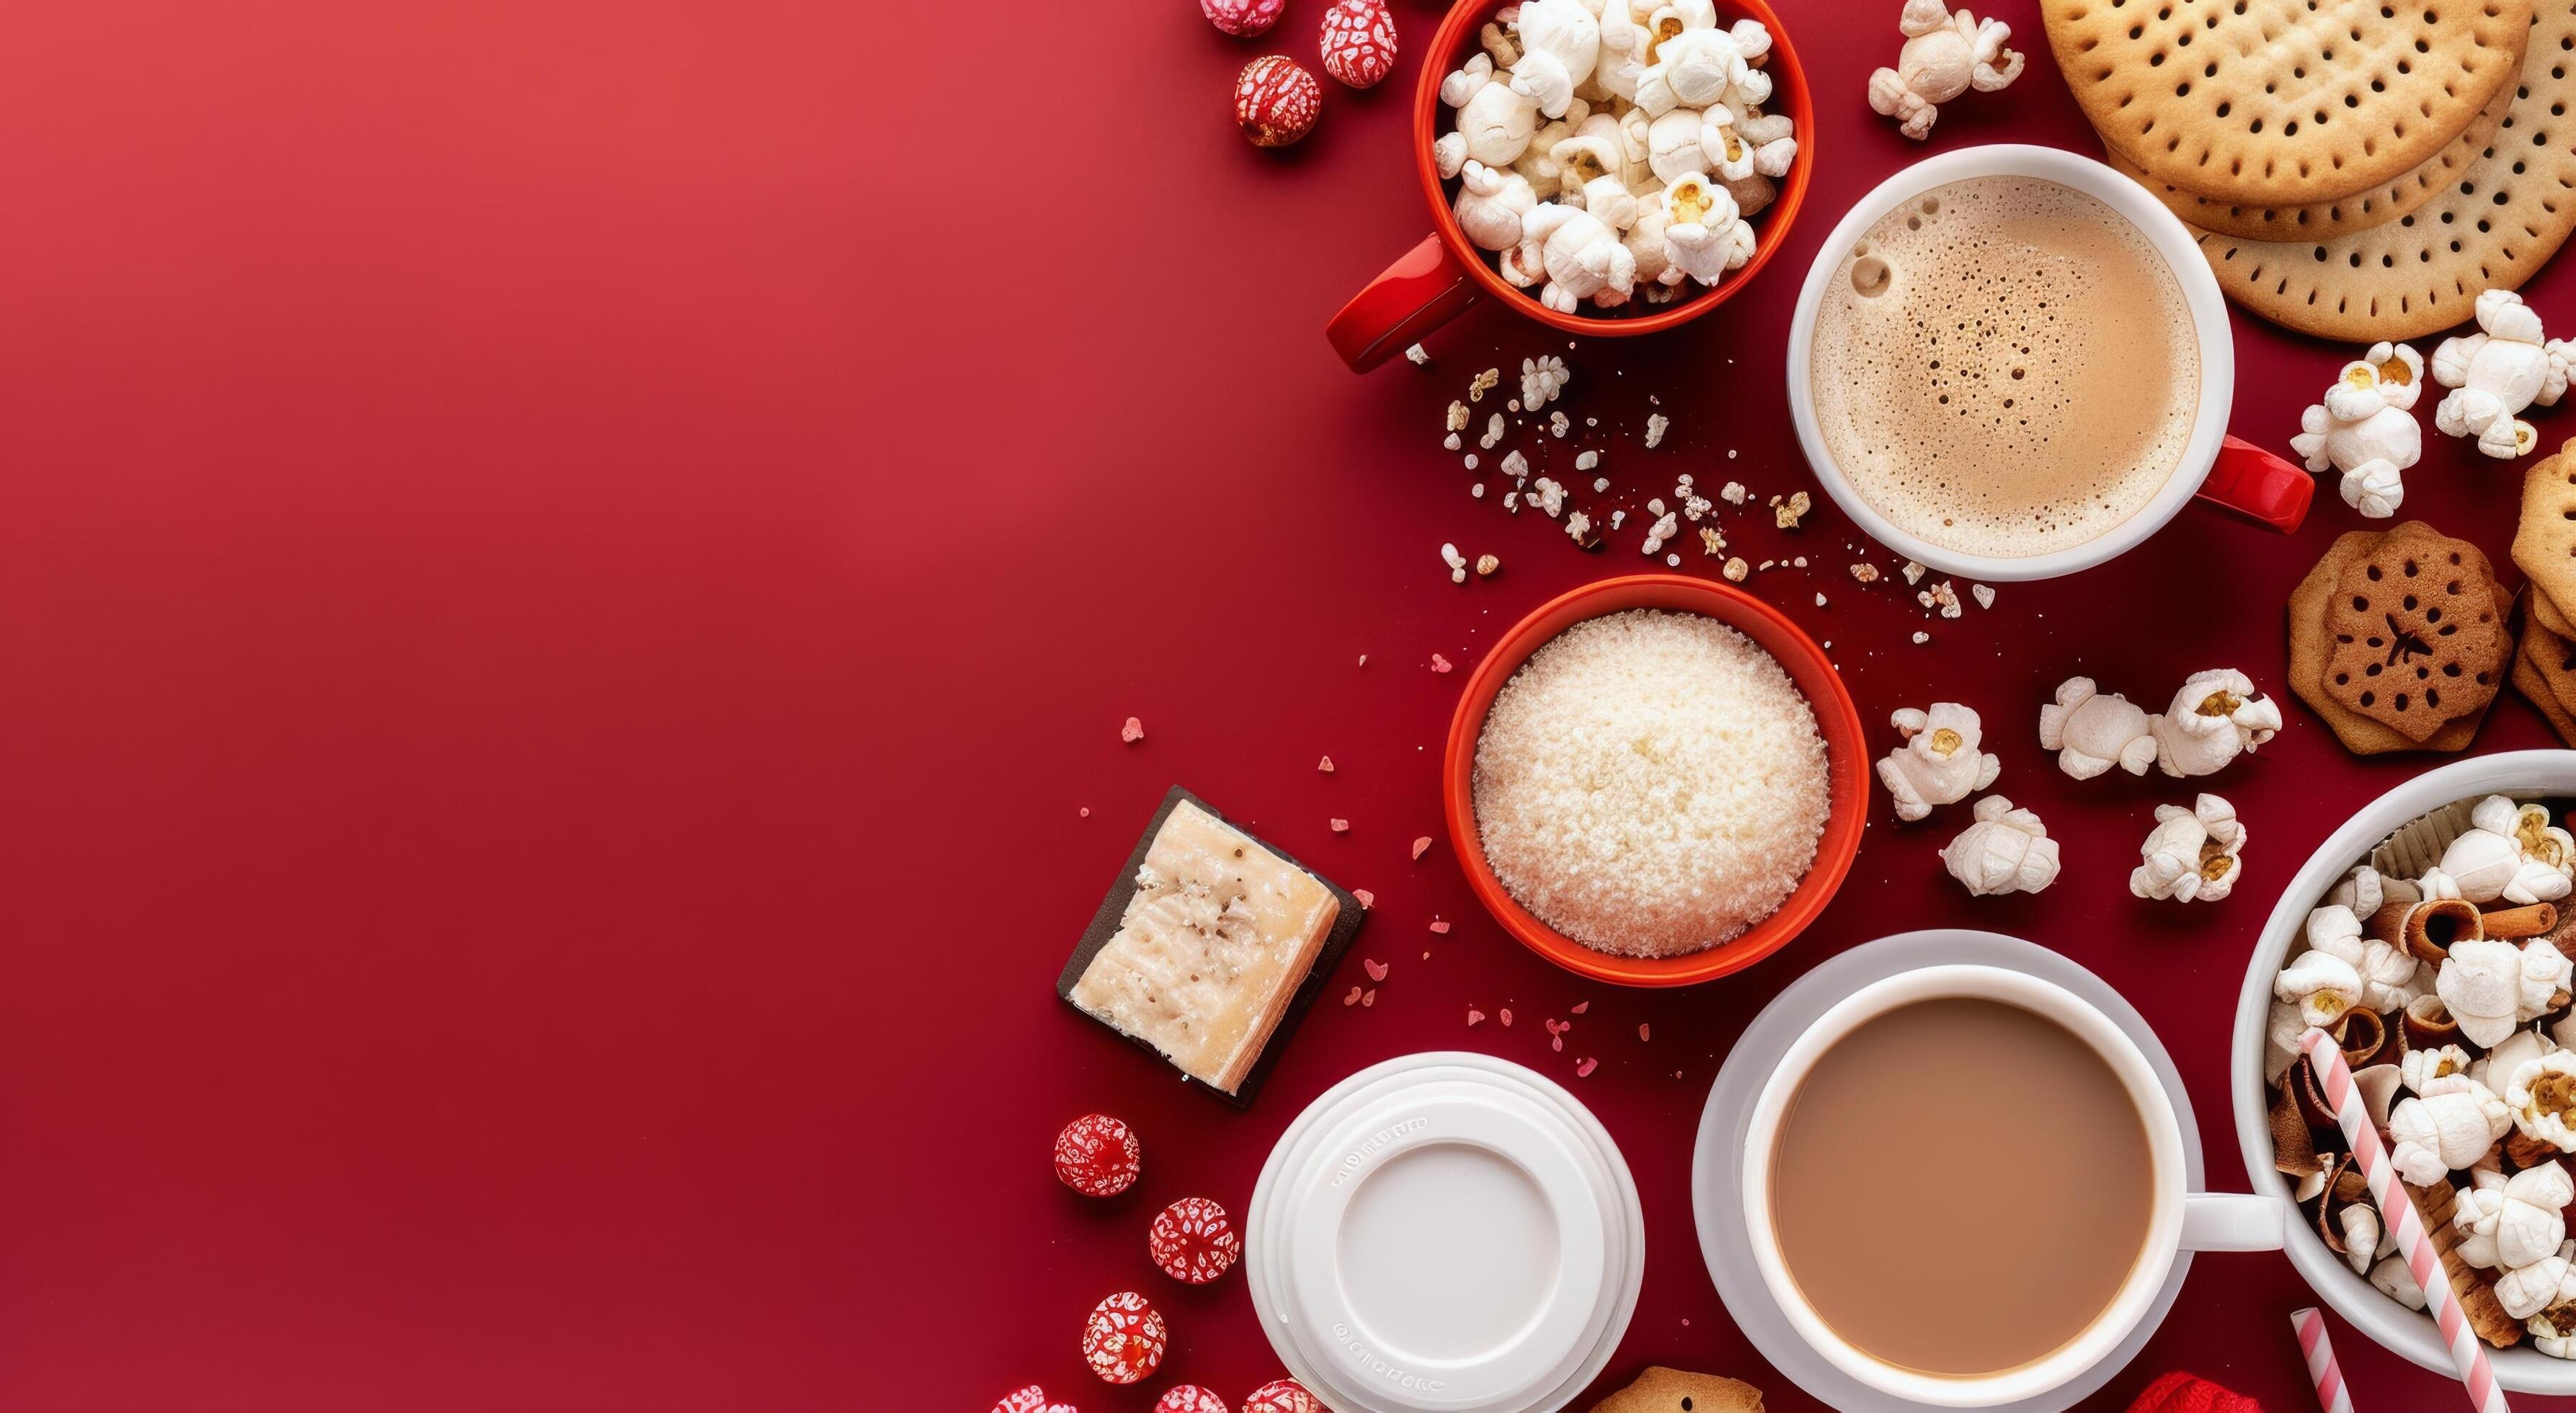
(1445, 1233)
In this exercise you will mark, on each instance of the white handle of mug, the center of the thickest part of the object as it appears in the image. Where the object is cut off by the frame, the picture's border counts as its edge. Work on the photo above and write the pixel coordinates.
(2234, 1221)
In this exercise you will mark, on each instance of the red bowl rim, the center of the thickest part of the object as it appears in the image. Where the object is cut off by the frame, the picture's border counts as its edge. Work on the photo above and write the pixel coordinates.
(1788, 85)
(1837, 720)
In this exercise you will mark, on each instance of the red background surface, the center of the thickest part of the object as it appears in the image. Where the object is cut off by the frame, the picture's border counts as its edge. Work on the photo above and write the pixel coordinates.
(566, 570)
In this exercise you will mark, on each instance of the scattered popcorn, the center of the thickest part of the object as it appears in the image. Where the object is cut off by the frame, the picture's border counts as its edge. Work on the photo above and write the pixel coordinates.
(1710, 542)
(1477, 490)
(1543, 380)
(1672, 561)
(1733, 493)
(1558, 424)
(2006, 851)
(1439, 663)
(1938, 762)
(1600, 484)
(1457, 416)
(1787, 513)
(1820, 601)
(1944, 56)
(1457, 563)
(1940, 596)
(1920, 638)
(2497, 372)
(1865, 573)
(1586, 460)
(1419, 357)
(1422, 846)
(1800, 562)
(1340, 826)
(1578, 528)
(1451, 442)
(1663, 530)
(1913, 572)
(2365, 428)
(1471, 465)
(1132, 732)
(1655, 425)
(1549, 496)
(1494, 429)
(1515, 465)
(2192, 853)
(1985, 595)
(1736, 569)
(1483, 384)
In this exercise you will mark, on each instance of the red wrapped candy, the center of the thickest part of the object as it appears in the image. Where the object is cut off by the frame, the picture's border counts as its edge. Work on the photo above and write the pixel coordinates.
(1193, 1241)
(1123, 1340)
(1188, 1398)
(1283, 1396)
(1359, 42)
(1030, 1400)
(1241, 18)
(1276, 101)
(1097, 1156)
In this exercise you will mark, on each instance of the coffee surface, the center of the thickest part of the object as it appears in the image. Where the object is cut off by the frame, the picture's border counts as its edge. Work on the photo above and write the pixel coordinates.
(2005, 367)
(1961, 1186)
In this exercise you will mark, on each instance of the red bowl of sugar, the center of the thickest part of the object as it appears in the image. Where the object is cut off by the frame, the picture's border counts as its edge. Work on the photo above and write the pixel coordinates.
(1655, 780)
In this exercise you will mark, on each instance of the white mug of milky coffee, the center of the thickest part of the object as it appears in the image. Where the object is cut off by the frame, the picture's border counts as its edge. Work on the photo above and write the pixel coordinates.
(1964, 1186)
(2011, 362)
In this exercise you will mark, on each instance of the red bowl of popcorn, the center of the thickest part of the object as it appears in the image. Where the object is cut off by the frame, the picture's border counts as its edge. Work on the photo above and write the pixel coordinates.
(1808, 776)
(1440, 278)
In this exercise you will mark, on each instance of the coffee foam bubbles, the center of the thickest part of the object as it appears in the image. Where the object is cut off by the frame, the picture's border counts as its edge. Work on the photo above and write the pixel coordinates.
(2005, 367)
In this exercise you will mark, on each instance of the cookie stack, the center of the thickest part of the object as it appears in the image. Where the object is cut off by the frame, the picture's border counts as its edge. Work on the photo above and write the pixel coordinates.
(2544, 549)
(2355, 169)
(2400, 639)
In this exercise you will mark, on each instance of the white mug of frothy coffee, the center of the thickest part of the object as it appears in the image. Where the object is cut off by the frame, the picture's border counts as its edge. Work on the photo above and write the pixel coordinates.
(1965, 1186)
(2010, 362)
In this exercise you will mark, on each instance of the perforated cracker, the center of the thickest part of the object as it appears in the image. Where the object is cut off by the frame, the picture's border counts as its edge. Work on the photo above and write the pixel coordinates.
(2327, 220)
(2416, 635)
(2544, 671)
(2283, 102)
(2544, 541)
(2423, 272)
(2308, 641)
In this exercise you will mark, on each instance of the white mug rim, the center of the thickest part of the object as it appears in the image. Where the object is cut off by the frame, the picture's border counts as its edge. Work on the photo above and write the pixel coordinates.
(2173, 242)
(2156, 1256)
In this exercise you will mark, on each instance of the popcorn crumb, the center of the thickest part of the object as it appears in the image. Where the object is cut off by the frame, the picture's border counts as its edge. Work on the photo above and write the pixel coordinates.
(1440, 927)
(1578, 528)
(1558, 424)
(1325, 765)
(1132, 732)
(1086, 811)
(1483, 384)
(1585, 1068)
(1451, 442)
(1457, 417)
(1504, 1015)
(1578, 1008)
(1543, 379)
(1515, 465)
(1661, 531)
(1353, 998)
(1376, 969)
(1486, 564)
(1942, 597)
(1645, 1031)
(1494, 429)
(1913, 572)
(1341, 826)
(1586, 460)
(1787, 513)
(1655, 425)
(1711, 542)
(1549, 496)
(1820, 600)
(1477, 490)
(1363, 659)
(1422, 846)
(1367, 898)
(1418, 355)
(1439, 663)
(1921, 638)
(1368, 998)
(1616, 517)
(1672, 561)
(1730, 453)
(1471, 461)
(1475, 1017)
(1457, 563)
(1865, 573)
(1985, 595)
(1736, 569)
(1733, 493)
(1600, 484)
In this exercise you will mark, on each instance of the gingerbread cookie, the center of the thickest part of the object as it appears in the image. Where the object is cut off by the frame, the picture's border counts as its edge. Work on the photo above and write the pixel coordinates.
(2283, 102)
(2309, 642)
(1661, 1390)
(2416, 632)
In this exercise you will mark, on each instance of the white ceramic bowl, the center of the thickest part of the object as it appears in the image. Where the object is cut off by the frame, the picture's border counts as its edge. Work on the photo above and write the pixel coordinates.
(2522, 774)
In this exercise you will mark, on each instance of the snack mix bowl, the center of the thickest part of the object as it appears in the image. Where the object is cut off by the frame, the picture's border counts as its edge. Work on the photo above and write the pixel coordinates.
(2518, 774)
(1837, 721)
(1440, 278)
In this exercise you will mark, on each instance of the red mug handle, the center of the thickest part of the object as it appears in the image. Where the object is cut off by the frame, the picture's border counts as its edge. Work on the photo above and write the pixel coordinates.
(2252, 483)
(1415, 295)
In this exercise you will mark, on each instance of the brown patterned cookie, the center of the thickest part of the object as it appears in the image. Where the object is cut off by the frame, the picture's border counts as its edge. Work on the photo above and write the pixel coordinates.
(1661, 1390)
(2283, 102)
(2416, 634)
(2491, 228)
(2327, 220)
(2544, 611)
(2544, 671)
(2309, 641)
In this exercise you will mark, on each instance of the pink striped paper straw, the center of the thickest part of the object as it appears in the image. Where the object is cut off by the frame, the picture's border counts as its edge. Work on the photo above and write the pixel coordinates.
(2396, 1209)
(2310, 1325)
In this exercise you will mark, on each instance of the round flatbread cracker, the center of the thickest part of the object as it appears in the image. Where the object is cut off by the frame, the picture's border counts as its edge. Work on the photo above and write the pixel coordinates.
(2326, 220)
(2283, 102)
(2423, 272)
